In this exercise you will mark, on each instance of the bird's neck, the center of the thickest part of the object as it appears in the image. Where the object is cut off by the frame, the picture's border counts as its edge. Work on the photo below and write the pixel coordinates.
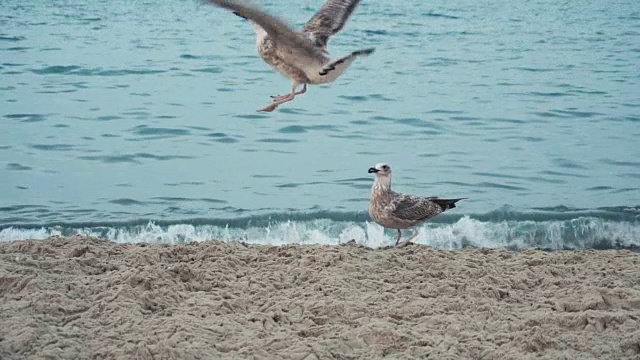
(381, 184)
(260, 32)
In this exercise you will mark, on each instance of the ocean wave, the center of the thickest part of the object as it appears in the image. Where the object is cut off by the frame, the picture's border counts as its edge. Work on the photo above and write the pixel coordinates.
(614, 228)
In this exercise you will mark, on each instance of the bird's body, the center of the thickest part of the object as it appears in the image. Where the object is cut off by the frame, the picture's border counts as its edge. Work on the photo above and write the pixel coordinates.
(272, 55)
(401, 211)
(299, 55)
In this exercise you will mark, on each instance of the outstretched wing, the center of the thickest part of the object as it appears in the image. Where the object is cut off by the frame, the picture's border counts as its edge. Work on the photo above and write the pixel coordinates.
(414, 208)
(277, 29)
(329, 20)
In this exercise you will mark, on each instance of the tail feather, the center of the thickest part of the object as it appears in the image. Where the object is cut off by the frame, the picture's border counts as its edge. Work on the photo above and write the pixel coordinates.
(345, 61)
(446, 204)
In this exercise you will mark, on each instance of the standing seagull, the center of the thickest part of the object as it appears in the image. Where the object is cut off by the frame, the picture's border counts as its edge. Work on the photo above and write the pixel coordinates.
(299, 55)
(400, 211)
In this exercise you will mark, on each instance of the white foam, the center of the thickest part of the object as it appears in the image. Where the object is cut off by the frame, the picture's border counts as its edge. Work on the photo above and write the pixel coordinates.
(553, 234)
(11, 234)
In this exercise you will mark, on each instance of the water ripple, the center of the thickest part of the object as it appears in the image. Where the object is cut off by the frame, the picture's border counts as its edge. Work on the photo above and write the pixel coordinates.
(437, 15)
(26, 117)
(78, 70)
(11, 38)
(635, 164)
(53, 147)
(144, 130)
(558, 173)
(127, 202)
(210, 69)
(132, 158)
(278, 140)
(180, 199)
(298, 129)
(568, 164)
(420, 123)
(500, 186)
(17, 167)
(222, 138)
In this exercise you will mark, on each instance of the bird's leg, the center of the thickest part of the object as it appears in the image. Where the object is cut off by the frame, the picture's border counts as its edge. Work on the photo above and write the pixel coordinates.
(414, 233)
(275, 104)
(399, 236)
(280, 97)
(283, 99)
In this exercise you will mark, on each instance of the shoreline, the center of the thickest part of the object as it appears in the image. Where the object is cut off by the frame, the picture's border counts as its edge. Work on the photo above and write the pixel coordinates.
(69, 297)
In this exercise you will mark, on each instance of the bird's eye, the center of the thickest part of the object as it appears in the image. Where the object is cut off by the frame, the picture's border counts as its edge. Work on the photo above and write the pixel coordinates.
(385, 167)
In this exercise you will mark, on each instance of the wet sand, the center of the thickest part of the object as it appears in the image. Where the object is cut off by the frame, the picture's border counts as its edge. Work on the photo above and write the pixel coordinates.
(65, 298)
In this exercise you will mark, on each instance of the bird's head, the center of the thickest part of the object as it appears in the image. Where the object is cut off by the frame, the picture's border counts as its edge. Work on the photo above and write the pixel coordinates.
(381, 170)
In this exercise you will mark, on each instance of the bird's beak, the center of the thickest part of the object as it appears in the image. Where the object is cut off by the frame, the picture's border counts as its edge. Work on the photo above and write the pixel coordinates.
(373, 170)
(238, 14)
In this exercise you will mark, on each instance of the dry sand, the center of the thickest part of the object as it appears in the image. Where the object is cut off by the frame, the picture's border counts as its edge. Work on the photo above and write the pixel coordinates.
(83, 298)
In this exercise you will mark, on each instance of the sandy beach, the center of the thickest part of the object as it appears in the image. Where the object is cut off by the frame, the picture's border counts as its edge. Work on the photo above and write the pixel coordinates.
(70, 298)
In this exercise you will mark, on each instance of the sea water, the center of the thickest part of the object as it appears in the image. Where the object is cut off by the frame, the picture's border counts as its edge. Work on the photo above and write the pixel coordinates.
(137, 121)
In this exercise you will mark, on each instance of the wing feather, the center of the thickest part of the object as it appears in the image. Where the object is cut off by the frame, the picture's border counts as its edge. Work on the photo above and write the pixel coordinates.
(414, 208)
(329, 20)
(279, 30)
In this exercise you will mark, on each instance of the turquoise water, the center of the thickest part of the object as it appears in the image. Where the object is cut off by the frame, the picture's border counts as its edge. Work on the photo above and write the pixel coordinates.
(136, 120)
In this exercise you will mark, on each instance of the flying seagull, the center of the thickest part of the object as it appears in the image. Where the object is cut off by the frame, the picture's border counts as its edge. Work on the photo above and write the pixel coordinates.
(401, 211)
(299, 55)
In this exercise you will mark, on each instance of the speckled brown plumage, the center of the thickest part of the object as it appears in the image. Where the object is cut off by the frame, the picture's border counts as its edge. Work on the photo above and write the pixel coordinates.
(401, 211)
